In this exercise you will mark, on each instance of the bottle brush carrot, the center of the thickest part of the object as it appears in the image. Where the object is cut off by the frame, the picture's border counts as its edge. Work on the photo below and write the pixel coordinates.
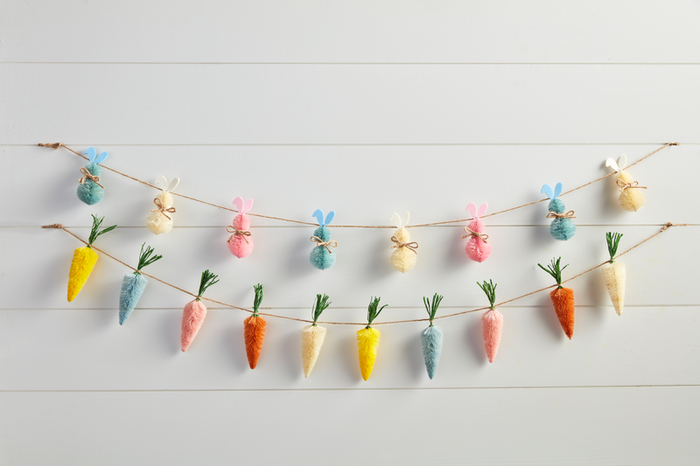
(431, 337)
(491, 321)
(134, 284)
(254, 330)
(562, 298)
(195, 311)
(615, 273)
(84, 259)
(368, 339)
(312, 336)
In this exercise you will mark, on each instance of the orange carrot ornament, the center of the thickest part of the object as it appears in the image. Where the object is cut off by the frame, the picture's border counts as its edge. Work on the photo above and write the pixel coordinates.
(84, 259)
(562, 298)
(195, 311)
(368, 339)
(254, 330)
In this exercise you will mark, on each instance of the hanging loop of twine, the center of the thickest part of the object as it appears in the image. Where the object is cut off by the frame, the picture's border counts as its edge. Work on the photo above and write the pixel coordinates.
(484, 237)
(237, 232)
(569, 214)
(328, 245)
(623, 185)
(87, 175)
(162, 208)
(410, 246)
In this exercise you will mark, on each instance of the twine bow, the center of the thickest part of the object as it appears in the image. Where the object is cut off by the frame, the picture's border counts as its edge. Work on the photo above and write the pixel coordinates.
(623, 185)
(236, 231)
(87, 175)
(475, 234)
(162, 208)
(569, 214)
(411, 246)
(328, 245)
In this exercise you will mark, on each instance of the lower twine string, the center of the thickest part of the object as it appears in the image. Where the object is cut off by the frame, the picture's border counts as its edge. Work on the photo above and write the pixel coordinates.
(57, 145)
(664, 228)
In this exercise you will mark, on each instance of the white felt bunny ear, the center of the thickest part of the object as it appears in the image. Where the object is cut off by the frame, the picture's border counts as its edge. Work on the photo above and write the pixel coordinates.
(617, 166)
(406, 218)
(395, 219)
(173, 184)
(482, 209)
(162, 183)
(622, 162)
(471, 208)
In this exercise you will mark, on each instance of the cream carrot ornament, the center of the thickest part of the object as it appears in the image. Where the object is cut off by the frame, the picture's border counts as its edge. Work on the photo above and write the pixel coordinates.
(195, 311)
(368, 339)
(431, 337)
(615, 273)
(562, 298)
(254, 330)
(160, 220)
(403, 258)
(491, 321)
(631, 194)
(478, 248)
(90, 190)
(84, 259)
(240, 242)
(312, 336)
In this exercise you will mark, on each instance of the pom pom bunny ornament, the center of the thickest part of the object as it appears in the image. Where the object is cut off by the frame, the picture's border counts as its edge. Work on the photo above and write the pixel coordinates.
(160, 220)
(240, 243)
(404, 256)
(321, 256)
(563, 227)
(631, 198)
(90, 190)
(478, 249)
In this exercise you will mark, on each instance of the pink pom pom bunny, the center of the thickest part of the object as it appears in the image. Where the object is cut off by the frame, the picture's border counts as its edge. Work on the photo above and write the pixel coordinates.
(478, 249)
(240, 243)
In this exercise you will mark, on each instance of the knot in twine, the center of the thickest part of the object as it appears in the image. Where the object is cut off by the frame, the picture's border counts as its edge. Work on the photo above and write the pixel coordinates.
(162, 209)
(328, 245)
(569, 214)
(236, 231)
(623, 185)
(411, 246)
(475, 234)
(87, 175)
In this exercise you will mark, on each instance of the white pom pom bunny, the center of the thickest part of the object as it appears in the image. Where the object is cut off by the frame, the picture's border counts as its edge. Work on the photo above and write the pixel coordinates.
(631, 197)
(160, 220)
(404, 257)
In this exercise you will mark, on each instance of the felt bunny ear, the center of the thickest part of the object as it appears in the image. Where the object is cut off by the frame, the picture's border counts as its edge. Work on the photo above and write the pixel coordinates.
(395, 219)
(102, 157)
(471, 208)
(173, 184)
(162, 182)
(612, 164)
(319, 216)
(248, 205)
(90, 152)
(238, 202)
(482, 209)
(330, 217)
(622, 162)
(557, 189)
(547, 189)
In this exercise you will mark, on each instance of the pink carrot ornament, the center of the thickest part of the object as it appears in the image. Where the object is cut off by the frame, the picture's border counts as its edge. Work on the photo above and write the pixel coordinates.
(195, 311)
(491, 321)
(240, 243)
(478, 248)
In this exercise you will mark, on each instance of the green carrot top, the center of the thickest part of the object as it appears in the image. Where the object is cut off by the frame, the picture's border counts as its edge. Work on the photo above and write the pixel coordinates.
(613, 240)
(320, 305)
(554, 269)
(432, 307)
(146, 258)
(208, 279)
(489, 288)
(373, 310)
(95, 231)
(258, 298)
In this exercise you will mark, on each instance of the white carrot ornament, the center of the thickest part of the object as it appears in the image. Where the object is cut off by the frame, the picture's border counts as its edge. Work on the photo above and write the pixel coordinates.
(312, 336)
(134, 284)
(195, 311)
(90, 190)
(478, 248)
(160, 220)
(615, 273)
(240, 243)
(431, 337)
(491, 321)
(84, 259)
(631, 197)
(403, 258)
(368, 339)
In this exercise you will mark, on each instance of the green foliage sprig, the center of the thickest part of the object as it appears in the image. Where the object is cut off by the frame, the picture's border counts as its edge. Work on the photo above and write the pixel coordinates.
(555, 269)
(373, 310)
(432, 307)
(490, 289)
(320, 305)
(146, 258)
(258, 298)
(613, 240)
(95, 231)
(208, 279)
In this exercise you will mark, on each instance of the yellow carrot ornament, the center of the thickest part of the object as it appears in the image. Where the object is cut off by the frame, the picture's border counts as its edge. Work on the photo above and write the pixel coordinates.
(84, 259)
(404, 256)
(615, 273)
(631, 194)
(161, 218)
(368, 339)
(313, 335)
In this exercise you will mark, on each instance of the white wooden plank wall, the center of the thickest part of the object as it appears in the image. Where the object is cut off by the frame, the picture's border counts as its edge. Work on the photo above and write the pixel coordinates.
(366, 108)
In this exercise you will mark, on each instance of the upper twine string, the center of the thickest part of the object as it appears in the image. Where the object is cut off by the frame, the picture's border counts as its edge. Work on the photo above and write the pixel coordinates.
(664, 228)
(57, 145)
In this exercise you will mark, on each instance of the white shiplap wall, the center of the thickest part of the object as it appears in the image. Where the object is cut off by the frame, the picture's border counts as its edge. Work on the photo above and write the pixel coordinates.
(366, 108)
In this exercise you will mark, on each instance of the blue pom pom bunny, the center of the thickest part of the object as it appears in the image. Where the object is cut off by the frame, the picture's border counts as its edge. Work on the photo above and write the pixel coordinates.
(321, 256)
(563, 227)
(90, 190)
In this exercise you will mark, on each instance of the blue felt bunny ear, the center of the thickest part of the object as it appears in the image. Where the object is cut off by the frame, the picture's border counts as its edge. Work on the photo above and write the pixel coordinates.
(330, 217)
(319, 216)
(547, 189)
(557, 189)
(90, 152)
(102, 157)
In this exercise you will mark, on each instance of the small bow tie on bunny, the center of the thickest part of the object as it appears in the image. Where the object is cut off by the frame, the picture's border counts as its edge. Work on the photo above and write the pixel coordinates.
(90, 191)
(631, 198)
(160, 220)
(321, 256)
(240, 242)
(404, 256)
(563, 227)
(478, 248)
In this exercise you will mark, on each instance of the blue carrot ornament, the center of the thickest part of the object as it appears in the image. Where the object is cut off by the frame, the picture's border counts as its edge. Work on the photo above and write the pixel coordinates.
(563, 227)
(90, 190)
(321, 256)
(134, 284)
(431, 337)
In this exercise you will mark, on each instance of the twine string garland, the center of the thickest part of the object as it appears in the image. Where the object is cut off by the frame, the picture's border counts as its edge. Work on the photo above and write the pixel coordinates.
(411, 246)
(483, 236)
(161, 208)
(326, 244)
(236, 232)
(569, 214)
(87, 175)
(623, 185)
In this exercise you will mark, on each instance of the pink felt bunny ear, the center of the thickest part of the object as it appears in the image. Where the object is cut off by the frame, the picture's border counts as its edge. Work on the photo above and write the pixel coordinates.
(482, 209)
(471, 208)
(238, 202)
(248, 205)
